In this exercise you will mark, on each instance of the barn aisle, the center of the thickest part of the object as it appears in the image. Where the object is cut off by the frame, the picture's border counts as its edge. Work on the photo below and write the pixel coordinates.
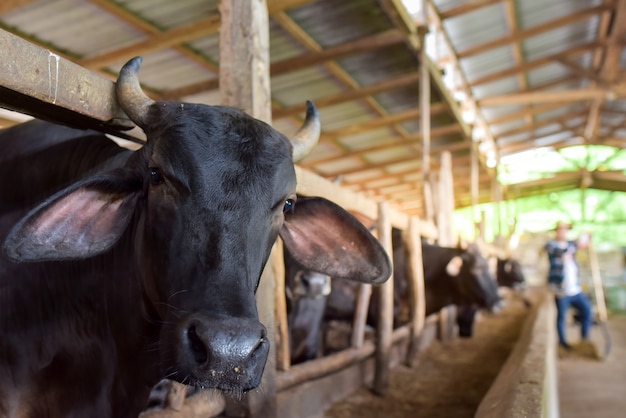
(450, 379)
(592, 388)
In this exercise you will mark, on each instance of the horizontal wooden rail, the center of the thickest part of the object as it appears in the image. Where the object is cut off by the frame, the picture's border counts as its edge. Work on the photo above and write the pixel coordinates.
(40, 83)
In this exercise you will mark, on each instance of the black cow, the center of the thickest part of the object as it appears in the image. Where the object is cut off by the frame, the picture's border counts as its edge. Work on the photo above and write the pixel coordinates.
(306, 293)
(509, 274)
(452, 276)
(120, 268)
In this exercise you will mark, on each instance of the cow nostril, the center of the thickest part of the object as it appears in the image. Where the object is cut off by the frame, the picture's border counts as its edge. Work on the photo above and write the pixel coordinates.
(197, 346)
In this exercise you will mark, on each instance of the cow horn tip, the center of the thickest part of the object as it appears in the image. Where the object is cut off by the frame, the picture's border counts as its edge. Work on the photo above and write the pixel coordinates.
(308, 135)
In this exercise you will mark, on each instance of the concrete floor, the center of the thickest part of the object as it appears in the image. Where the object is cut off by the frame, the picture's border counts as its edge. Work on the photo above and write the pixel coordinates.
(595, 388)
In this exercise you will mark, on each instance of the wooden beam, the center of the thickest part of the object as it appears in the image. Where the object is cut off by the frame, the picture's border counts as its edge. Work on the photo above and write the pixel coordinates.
(51, 87)
(574, 95)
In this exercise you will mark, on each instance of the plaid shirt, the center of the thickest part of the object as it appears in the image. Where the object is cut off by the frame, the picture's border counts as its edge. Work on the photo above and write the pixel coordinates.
(555, 256)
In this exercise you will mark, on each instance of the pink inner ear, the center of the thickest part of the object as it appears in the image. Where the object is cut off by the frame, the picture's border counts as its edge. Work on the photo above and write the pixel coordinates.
(83, 212)
(77, 225)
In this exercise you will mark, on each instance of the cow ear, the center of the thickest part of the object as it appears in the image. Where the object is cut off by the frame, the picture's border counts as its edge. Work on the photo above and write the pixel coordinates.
(454, 266)
(325, 238)
(80, 221)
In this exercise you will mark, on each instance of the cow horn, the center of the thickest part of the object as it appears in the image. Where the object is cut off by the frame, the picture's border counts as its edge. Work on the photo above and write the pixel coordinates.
(309, 133)
(130, 95)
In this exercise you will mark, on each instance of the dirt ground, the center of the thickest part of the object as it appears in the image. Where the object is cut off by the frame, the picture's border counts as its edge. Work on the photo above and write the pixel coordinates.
(450, 378)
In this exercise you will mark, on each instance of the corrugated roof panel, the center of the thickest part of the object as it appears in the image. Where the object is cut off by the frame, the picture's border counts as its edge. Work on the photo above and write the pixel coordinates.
(321, 151)
(488, 62)
(497, 87)
(168, 14)
(64, 24)
(342, 115)
(379, 65)
(308, 84)
(560, 38)
(362, 175)
(336, 167)
(505, 127)
(399, 100)
(477, 27)
(535, 12)
(282, 46)
(546, 74)
(349, 20)
(404, 166)
(167, 69)
(381, 182)
(208, 47)
(366, 139)
(387, 154)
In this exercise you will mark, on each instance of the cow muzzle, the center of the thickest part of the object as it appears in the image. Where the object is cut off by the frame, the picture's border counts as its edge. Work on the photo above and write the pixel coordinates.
(223, 353)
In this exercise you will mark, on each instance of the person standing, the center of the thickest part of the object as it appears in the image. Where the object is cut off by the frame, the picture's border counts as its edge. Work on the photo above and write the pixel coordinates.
(564, 280)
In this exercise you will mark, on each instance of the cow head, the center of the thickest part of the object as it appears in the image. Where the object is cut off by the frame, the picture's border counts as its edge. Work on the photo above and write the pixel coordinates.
(201, 203)
(475, 280)
(509, 273)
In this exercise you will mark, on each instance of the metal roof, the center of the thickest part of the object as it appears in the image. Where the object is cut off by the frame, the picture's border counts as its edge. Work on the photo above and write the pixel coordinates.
(532, 73)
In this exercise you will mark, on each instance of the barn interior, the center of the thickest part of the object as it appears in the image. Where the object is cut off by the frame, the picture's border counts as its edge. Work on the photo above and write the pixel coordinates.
(485, 119)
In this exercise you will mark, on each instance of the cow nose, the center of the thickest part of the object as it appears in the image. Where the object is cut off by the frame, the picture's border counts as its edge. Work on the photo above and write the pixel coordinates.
(226, 353)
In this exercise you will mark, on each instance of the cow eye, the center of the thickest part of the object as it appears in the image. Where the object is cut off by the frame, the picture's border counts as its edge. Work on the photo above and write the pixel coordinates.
(289, 205)
(155, 176)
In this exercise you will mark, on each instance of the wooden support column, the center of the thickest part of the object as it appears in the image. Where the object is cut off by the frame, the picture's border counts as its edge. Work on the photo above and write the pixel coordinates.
(360, 315)
(417, 300)
(283, 359)
(445, 209)
(244, 81)
(474, 185)
(384, 327)
(424, 92)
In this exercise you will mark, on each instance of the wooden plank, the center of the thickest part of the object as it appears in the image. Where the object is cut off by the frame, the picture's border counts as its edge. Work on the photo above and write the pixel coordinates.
(283, 359)
(244, 83)
(360, 315)
(446, 201)
(40, 83)
(572, 95)
(417, 300)
(384, 325)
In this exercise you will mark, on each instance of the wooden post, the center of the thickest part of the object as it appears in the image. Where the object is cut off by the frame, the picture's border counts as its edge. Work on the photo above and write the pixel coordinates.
(417, 300)
(384, 327)
(360, 315)
(474, 185)
(283, 359)
(424, 93)
(244, 81)
(445, 211)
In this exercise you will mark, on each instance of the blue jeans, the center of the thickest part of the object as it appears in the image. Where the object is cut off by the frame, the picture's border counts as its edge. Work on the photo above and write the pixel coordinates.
(581, 304)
